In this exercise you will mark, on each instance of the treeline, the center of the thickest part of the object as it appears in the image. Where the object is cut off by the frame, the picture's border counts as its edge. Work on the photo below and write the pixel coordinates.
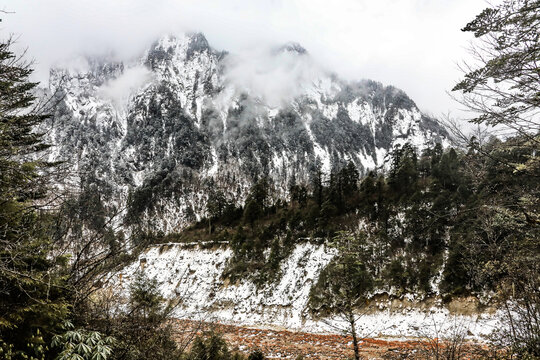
(445, 219)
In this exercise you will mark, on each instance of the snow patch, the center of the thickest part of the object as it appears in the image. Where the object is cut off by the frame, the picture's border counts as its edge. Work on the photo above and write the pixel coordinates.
(193, 274)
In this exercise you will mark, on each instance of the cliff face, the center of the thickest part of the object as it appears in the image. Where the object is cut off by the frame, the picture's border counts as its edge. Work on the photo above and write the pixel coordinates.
(193, 275)
(184, 119)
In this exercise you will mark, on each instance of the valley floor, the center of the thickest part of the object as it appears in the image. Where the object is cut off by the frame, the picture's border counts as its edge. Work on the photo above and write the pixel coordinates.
(276, 343)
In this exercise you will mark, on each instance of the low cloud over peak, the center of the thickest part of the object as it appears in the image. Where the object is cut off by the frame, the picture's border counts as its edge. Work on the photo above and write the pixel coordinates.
(412, 44)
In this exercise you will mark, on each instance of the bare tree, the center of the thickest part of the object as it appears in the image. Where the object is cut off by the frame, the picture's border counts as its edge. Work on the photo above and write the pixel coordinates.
(444, 341)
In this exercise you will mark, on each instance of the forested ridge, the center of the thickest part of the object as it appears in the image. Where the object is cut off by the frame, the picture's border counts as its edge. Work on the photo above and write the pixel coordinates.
(443, 220)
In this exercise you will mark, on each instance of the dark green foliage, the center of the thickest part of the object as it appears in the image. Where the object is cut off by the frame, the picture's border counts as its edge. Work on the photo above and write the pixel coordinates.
(252, 211)
(256, 355)
(32, 290)
(426, 216)
(340, 134)
(343, 189)
(299, 195)
(211, 346)
(404, 173)
(217, 205)
(81, 344)
(145, 297)
(141, 329)
(501, 247)
(164, 183)
(344, 284)
(257, 202)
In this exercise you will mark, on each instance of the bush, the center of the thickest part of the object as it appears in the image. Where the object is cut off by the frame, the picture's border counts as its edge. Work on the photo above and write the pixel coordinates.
(211, 346)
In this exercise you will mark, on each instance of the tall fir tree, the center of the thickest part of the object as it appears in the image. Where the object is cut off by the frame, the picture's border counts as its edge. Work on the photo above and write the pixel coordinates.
(32, 293)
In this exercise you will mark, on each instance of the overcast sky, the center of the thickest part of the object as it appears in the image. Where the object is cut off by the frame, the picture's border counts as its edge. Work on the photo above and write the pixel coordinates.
(412, 44)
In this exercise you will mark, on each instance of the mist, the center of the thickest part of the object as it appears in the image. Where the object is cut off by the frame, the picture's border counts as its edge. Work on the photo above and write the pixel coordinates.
(274, 76)
(412, 44)
(119, 89)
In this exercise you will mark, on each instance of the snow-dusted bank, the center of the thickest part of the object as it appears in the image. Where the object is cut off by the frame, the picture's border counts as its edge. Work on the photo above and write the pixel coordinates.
(192, 274)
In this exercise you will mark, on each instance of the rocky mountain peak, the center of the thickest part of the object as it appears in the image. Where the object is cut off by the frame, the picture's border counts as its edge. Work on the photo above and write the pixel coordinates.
(177, 48)
(292, 47)
(187, 127)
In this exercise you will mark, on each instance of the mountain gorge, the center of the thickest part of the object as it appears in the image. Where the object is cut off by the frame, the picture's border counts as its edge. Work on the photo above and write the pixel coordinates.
(157, 135)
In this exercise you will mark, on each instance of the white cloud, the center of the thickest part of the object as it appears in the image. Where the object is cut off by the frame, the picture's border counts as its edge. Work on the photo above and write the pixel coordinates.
(275, 77)
(412, 44)
(118, 90)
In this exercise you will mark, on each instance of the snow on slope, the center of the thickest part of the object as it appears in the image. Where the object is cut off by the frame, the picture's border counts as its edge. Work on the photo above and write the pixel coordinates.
(193, 275)
(184, 119)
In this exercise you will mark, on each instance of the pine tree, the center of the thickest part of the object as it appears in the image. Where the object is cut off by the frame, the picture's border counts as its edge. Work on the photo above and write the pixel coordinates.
(343, 285)
(210, 346)
(257, 201)
(32, 292)
(368, 196)
(404, 173)
(503, 88)
(317, 184)
(215, 207)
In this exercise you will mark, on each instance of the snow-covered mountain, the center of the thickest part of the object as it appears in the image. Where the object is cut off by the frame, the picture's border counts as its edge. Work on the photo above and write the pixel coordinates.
(184, 120)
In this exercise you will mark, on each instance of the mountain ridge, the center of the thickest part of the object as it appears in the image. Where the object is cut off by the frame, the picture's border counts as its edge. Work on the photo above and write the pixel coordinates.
(182, 119)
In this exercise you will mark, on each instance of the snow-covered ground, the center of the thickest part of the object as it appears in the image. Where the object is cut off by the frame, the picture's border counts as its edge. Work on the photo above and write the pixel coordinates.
(193, 275)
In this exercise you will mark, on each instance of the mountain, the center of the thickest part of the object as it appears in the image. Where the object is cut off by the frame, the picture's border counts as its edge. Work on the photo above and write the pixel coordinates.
(160, 133)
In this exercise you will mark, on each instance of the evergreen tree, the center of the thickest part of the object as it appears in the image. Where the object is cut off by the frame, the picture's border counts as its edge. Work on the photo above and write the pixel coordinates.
(216, 207)
(317, 184)
(404, 173)
(368, 196)
(446, 171)
(145, 297)
(32, 291)
(343, 285)
(211, 346)
(502, 246)
(503, 88)
(257, 202)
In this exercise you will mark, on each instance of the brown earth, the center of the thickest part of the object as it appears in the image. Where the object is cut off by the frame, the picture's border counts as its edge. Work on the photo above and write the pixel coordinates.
(292, 345)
